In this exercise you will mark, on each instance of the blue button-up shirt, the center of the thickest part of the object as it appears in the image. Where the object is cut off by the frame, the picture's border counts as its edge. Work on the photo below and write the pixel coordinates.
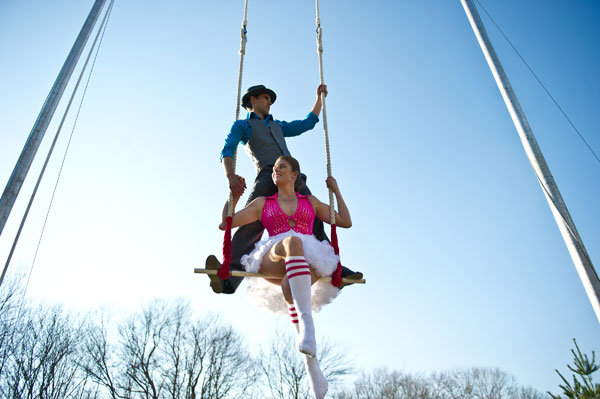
(241, 130)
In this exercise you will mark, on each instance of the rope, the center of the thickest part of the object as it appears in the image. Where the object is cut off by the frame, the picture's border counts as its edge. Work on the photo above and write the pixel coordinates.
(224, 269)
(325, 127)
(101, 30)
(87, 83)
(336, 278)
(567, 221)
(576, 238)
(562, 111)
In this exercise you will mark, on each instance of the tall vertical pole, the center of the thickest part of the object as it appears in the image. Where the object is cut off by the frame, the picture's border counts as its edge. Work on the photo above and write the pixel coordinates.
(577, 250)
(19, 173)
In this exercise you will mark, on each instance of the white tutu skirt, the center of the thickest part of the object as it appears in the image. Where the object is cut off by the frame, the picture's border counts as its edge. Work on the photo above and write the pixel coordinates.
(319, 255)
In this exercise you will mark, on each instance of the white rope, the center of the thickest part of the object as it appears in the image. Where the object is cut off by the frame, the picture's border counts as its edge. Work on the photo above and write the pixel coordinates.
(242, 52)
(325, 129)
(99, 34)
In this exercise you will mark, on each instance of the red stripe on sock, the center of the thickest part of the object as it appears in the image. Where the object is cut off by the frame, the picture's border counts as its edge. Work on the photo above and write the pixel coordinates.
(292, 315)
(295, 261)
(291, 268)
(296, 266)
(295, 321)
(298, 274)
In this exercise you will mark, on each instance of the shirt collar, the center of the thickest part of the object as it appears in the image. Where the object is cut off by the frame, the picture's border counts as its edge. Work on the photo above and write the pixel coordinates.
(253, 115)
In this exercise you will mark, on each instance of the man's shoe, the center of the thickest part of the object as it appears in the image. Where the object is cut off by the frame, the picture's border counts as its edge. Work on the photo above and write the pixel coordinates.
(349, 274)
(212, 263)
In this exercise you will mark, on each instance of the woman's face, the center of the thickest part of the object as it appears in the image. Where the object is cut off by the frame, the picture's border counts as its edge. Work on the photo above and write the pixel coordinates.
(282, 173)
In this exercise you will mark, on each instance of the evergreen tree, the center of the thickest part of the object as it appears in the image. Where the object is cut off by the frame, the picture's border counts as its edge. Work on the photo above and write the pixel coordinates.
(582, 387)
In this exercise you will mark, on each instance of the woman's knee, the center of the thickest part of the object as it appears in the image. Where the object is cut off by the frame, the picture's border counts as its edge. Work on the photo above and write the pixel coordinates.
(293, 245)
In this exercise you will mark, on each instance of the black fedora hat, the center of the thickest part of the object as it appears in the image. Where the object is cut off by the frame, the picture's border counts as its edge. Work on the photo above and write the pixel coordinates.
(257, 91)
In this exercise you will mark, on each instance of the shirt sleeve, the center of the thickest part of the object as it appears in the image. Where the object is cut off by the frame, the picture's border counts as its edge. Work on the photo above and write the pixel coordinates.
(239, 132)
(295, 128)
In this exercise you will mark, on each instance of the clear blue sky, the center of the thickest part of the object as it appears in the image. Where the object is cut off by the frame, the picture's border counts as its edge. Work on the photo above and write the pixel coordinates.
(464, 262)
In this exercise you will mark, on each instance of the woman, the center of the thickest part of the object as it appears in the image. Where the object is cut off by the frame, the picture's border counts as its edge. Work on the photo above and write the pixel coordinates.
(292, 255)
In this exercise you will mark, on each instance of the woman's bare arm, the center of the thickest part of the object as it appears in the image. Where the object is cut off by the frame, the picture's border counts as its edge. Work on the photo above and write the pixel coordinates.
(249, 214)
(342, 218)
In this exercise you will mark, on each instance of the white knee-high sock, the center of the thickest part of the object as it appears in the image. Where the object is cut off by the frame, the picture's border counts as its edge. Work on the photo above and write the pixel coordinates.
(298, 274)
(317, 381)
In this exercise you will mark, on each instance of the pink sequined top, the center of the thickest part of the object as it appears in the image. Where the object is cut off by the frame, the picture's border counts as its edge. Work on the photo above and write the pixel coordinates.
(277, 222)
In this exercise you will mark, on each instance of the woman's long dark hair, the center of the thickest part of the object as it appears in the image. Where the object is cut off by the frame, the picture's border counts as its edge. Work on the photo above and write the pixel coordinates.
(295, 168)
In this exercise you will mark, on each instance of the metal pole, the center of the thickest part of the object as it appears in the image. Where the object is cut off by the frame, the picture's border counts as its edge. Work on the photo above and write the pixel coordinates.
(19, 173)
(577, 250)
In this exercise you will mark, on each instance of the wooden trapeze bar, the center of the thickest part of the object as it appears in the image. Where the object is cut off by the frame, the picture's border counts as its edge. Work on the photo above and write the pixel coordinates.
(238, 273)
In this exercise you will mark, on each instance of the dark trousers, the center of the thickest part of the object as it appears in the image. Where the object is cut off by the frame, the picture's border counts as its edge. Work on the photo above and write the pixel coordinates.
(244, 239)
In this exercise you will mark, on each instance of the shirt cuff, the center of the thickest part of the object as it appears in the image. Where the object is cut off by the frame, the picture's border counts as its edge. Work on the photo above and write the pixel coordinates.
(225, 153)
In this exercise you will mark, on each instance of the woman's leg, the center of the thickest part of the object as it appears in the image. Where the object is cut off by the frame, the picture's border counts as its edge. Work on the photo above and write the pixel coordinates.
(316, 379)
(299, 279)
(296, 286)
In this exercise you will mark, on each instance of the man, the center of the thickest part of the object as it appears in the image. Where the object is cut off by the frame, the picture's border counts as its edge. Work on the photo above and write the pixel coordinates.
(265, 141)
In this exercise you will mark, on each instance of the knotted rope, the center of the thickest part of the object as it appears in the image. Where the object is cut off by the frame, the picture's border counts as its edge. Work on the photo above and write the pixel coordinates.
(224, 269)
(336, 278)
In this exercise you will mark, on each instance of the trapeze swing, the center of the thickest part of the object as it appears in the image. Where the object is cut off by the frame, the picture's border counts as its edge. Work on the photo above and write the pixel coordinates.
(214, 268)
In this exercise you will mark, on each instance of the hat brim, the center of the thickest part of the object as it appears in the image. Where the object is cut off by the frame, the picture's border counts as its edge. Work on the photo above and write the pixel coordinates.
(256, 93)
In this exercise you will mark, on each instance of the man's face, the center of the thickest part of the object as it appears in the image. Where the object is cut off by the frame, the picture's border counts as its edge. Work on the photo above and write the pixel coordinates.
(261, 104)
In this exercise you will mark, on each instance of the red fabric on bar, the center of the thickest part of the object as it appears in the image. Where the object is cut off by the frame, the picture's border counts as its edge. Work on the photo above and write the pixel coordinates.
(223, 272)
(336, 277)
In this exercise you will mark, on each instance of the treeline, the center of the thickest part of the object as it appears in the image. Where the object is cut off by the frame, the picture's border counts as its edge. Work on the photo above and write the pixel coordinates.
(163, 351)
(472, 383)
